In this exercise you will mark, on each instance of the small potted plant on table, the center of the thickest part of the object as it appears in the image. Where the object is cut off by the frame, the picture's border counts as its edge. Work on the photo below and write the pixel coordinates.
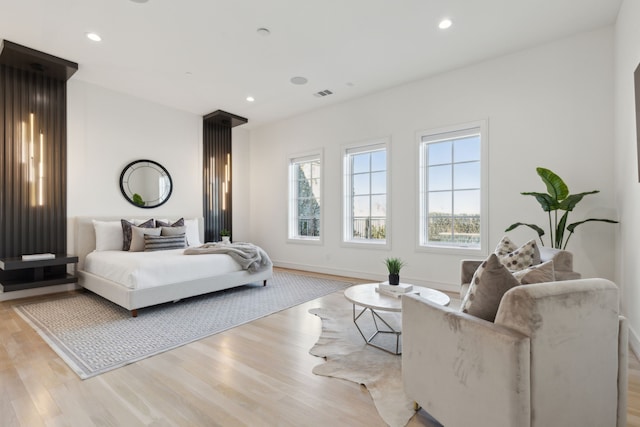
(225, 235)
(393, 266)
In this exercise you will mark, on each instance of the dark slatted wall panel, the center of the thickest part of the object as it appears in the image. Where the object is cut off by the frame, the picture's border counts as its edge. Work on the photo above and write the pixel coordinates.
(217, 182)
(32, 173)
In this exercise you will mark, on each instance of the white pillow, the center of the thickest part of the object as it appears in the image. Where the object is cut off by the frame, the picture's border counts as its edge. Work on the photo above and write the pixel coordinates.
(193, 233)
(108, 235)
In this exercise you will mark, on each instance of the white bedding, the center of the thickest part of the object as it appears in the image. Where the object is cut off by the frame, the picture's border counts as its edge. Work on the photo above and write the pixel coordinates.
(140, 270)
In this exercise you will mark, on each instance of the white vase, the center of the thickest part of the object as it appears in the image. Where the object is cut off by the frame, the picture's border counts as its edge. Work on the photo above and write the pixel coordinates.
(225, 240)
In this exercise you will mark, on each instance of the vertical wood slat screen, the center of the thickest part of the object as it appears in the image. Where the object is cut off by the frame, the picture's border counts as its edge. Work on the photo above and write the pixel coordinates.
(33, 204)
(217, 182)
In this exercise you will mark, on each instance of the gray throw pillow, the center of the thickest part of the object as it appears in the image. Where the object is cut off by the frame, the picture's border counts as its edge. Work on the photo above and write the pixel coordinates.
(173, 231)
(489, 283)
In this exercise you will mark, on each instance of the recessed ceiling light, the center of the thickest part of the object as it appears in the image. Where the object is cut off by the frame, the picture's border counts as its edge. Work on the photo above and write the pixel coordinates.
(250, 98)
(263, 31)
(139, 1)
(299, 80)
(445, 23)
(94, 37)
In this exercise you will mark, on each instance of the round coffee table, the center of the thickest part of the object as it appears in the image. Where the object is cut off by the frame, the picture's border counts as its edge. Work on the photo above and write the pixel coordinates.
(368, 297)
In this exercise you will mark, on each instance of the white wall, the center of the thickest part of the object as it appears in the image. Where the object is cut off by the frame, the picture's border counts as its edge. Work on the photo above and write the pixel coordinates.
(627, 57)
(106, 131)
(549, 106)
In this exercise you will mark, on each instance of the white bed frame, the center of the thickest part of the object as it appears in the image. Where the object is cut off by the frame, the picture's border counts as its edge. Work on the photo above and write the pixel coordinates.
(133, 299)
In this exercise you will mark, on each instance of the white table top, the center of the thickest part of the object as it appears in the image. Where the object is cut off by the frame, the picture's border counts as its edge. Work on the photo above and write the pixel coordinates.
(366, 296)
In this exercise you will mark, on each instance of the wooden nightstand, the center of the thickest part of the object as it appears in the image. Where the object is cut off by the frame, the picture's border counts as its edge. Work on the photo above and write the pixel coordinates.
(26, 274)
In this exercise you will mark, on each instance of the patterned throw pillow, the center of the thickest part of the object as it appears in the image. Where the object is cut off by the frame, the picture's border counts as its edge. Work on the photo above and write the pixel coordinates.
(162, 243)
(517, 258)
(536, 274)
(489, 283)
(126, 231)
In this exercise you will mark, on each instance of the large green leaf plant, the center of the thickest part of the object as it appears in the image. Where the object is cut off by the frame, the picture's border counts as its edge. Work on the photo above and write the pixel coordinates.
(557, 198)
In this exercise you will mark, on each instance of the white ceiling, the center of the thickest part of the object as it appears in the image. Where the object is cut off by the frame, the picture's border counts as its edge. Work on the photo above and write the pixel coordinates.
(204, 55)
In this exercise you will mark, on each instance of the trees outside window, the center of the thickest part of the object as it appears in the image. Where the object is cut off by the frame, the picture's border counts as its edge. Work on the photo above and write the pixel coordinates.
(365, 193)
(304, 205)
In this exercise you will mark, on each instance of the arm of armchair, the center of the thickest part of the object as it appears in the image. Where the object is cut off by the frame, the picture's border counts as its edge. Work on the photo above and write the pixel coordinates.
(562, 263)
(462, 369)
(577, 348)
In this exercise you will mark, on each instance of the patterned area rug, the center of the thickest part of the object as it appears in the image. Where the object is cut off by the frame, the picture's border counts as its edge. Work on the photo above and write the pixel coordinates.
(93, 335)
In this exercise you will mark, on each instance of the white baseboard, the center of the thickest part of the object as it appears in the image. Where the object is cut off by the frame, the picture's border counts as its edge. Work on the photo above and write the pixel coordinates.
(449, 287)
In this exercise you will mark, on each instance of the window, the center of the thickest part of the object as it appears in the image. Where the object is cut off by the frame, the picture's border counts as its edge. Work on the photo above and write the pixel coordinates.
(452, 199)
(304, 197)
(365, 192)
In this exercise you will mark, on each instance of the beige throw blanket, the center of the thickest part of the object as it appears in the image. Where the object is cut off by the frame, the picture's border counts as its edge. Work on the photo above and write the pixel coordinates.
(250, 257)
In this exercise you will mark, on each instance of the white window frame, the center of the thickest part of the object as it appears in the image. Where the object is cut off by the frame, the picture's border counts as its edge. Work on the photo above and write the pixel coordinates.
(347, 200)
(292, 216)
(442, 134)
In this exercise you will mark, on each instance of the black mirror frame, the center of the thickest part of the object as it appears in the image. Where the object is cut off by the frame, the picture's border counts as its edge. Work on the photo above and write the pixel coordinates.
(161, 168)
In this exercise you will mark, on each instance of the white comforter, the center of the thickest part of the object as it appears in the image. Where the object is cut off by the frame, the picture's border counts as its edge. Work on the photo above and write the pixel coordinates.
(139, 270)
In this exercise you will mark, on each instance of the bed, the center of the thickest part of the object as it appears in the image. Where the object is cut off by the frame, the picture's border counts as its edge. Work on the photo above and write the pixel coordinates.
(114, 274)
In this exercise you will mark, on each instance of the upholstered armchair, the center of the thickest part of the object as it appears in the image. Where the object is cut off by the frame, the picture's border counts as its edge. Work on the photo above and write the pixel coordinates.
(562, 265)
(555, 356)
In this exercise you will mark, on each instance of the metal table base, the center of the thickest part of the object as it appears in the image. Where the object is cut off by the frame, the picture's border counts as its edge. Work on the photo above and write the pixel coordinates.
(376, 317)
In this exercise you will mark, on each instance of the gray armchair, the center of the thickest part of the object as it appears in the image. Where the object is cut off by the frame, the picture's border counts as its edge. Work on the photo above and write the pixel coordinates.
(562, 265)
(555, 356)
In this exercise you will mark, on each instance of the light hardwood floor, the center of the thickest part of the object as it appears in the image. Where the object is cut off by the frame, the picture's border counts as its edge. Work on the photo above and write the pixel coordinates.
(258, 374)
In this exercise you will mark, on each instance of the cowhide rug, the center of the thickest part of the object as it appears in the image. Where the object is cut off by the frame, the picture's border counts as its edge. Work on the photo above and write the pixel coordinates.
(349, 358)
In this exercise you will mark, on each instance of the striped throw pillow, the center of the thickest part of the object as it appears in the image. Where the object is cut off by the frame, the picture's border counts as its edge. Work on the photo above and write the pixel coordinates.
(162, 243)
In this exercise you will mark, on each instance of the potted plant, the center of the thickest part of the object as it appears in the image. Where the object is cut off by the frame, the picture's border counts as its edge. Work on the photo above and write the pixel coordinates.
(393, 266)
(557, 198)
(225, 235)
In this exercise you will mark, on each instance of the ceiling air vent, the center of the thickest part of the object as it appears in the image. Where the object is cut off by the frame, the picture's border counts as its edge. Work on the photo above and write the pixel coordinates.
(323, 93)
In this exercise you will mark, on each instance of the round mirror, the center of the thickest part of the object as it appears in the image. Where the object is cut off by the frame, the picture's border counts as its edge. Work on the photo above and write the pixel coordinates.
(145, 183)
